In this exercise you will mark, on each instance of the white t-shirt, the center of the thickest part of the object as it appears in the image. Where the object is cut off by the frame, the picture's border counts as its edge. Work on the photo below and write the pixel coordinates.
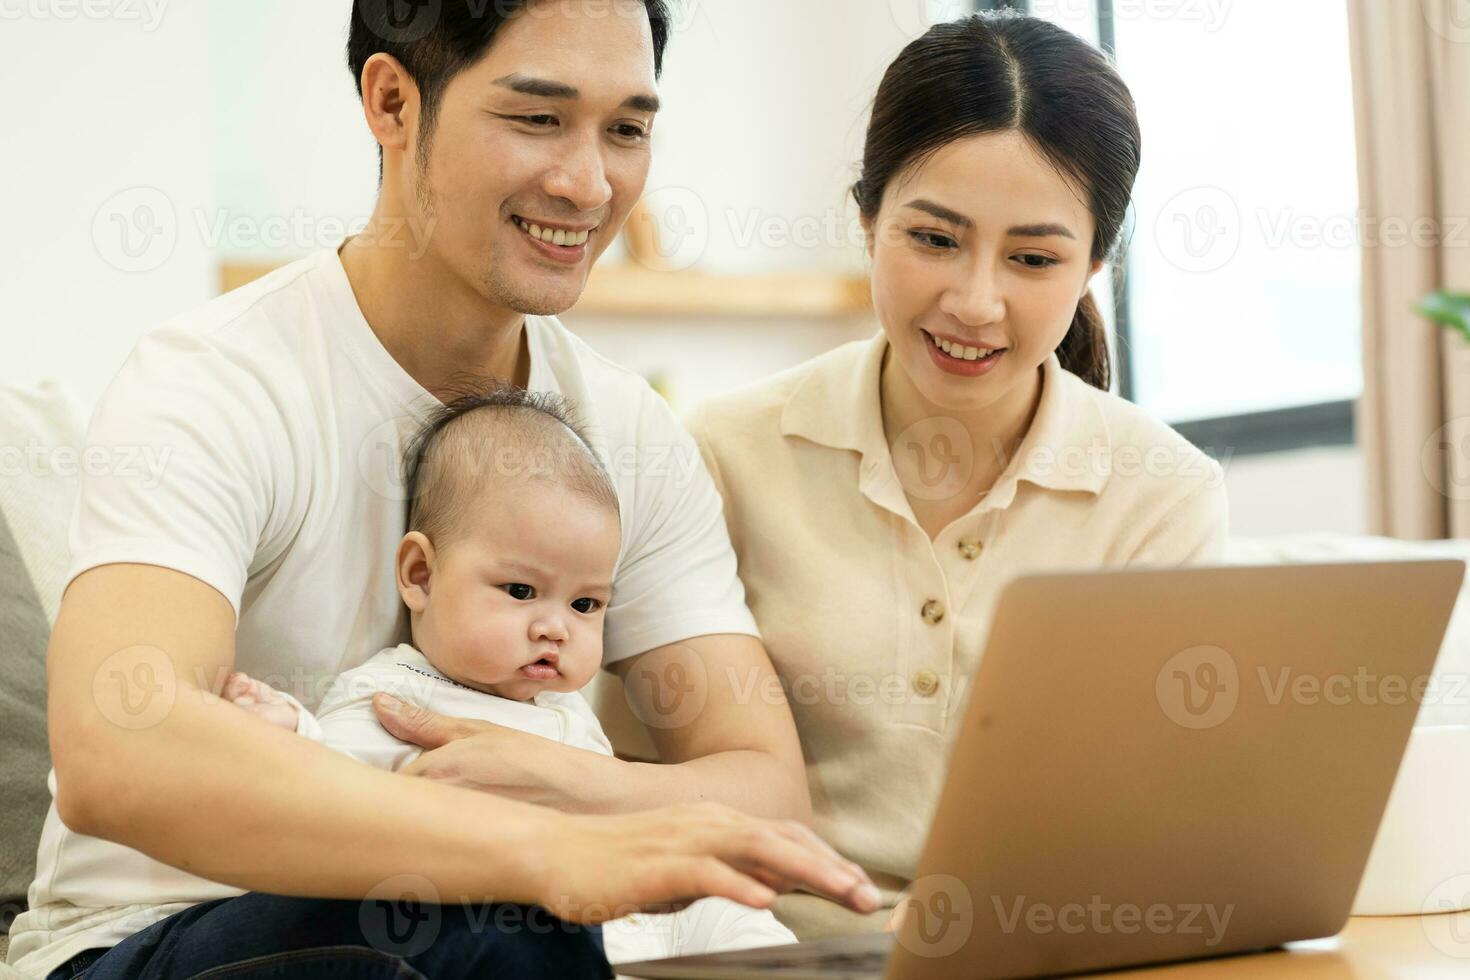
(275, 420)
(345, 719)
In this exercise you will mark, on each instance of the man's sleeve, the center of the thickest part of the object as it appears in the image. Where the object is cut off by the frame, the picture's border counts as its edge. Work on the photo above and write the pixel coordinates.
(178, 469)
(678, 578)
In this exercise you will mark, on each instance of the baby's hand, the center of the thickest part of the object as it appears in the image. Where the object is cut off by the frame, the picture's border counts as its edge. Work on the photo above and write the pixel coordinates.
(261, 699)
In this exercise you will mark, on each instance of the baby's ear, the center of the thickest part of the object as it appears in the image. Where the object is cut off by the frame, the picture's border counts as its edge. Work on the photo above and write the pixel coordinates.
(415, 569)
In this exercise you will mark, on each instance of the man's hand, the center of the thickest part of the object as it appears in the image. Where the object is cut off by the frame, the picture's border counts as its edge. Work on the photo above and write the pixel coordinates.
(651, 860)
(662, 860)
(496, 759)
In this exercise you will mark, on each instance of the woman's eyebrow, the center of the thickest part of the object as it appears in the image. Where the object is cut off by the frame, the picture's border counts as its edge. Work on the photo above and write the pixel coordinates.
(941, 212)
(1040, 231)
(1019, 231)
(545, 88)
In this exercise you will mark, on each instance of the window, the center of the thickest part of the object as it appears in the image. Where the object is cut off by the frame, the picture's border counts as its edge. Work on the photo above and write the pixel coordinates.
(1240, 319)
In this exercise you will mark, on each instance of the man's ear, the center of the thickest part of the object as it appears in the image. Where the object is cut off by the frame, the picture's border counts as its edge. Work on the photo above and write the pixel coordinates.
(390, 101)
(415, 569)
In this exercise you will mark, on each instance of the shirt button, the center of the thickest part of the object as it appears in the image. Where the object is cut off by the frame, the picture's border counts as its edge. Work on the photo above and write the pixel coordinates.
(932, 611)
(926, 682)
(970, 548)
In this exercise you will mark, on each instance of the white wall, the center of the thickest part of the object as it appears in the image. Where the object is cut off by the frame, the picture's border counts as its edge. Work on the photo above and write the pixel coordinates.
(108, 120)
(1319, 489)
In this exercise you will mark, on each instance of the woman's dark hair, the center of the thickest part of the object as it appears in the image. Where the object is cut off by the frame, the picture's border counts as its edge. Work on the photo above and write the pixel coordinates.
(1001, 71)
(435, 40)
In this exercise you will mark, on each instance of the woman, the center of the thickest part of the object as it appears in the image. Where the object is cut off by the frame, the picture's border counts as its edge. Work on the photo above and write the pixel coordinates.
(881, 495)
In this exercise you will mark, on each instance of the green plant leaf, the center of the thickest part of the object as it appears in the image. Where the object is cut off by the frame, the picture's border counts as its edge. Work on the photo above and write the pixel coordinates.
(1448, 310)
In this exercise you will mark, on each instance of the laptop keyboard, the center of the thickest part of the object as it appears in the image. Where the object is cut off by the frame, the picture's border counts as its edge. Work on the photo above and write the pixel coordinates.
(861, 957)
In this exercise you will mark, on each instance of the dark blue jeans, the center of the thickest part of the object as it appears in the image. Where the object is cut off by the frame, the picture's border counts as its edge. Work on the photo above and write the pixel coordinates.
(258, 935)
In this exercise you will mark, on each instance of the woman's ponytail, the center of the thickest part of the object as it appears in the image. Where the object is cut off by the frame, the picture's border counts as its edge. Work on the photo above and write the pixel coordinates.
(1084, 350)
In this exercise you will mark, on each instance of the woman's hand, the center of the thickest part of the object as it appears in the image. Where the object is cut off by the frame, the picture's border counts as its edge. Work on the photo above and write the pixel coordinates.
(605, 867)
(497, 759)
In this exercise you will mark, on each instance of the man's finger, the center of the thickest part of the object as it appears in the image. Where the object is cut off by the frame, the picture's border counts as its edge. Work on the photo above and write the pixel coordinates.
(800, 832)
(716, 878)
(812, 870)
(415, 724)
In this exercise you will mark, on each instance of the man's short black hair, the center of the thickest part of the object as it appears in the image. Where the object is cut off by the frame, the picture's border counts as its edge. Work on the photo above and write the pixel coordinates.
(435, 40)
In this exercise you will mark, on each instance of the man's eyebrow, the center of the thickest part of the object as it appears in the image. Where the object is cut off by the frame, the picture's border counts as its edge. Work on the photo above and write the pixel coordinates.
(546, 88)
(643, 103)
(1019, 231)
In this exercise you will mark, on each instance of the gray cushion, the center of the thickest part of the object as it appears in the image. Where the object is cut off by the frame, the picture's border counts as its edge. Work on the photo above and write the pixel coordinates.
(24, 756)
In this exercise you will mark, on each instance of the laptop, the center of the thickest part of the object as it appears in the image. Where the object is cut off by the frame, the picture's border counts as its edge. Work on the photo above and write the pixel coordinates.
(1153, 765)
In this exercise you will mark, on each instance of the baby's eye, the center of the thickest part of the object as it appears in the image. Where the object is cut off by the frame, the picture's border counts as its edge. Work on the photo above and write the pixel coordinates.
(586, 605)
(519, 590)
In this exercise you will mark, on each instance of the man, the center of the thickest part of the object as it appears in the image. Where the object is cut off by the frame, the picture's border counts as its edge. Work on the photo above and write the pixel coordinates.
(514, 142)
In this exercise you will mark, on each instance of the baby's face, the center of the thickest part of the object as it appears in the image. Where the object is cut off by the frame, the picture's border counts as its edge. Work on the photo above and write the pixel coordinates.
(515, 602)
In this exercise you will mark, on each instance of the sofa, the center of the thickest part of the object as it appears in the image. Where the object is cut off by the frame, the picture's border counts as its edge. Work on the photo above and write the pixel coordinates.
(41, 435)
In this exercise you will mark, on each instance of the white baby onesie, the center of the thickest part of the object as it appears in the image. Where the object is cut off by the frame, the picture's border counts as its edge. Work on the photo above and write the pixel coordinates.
(345, 720)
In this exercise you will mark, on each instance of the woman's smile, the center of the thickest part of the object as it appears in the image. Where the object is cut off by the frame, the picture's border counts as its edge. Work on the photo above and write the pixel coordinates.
(961, 359)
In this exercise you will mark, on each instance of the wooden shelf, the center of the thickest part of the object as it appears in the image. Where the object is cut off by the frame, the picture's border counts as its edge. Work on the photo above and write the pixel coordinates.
(633, 291)
(630, 290)
(233, 275)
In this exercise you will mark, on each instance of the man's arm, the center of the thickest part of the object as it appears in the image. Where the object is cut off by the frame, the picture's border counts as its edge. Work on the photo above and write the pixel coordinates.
(148, 756)
(718, 716)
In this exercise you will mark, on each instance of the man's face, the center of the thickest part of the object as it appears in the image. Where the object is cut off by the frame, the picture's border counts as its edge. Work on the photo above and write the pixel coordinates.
(548, 133)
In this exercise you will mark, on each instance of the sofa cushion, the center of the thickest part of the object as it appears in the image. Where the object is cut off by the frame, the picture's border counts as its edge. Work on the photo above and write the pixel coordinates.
(24, 756)
(40, 458)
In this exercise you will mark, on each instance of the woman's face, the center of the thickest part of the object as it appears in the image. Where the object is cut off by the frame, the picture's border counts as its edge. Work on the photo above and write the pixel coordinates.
(984, 246)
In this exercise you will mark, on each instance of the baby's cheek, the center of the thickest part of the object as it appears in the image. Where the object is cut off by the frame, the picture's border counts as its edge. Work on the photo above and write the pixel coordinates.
(495, 644)
(582, 665)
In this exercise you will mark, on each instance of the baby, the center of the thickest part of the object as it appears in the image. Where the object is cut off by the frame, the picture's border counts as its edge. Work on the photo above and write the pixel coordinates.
(506, 569)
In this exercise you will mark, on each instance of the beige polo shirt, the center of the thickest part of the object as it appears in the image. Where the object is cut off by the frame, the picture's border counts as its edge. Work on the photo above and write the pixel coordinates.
(873, 628)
